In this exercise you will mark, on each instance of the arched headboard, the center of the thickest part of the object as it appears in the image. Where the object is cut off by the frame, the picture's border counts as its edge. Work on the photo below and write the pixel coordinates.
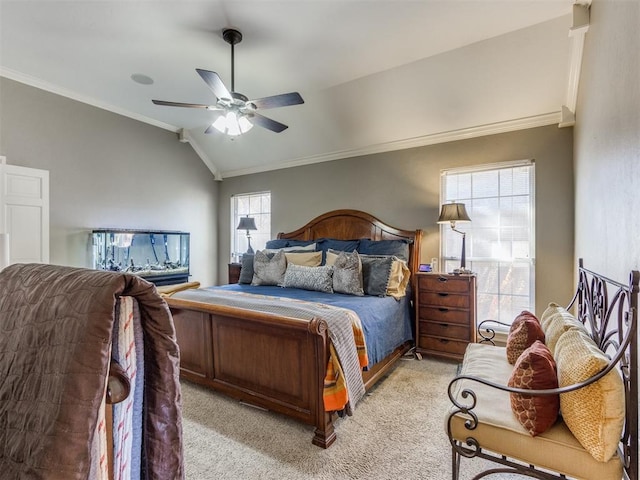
(354, 224)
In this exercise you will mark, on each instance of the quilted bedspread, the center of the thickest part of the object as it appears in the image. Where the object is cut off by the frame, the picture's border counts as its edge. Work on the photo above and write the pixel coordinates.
(55, 344)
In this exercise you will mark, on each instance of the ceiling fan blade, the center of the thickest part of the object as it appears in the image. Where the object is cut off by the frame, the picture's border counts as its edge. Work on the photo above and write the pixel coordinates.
(177, 104)
(267, 123)
(283, 100)
(212, 79)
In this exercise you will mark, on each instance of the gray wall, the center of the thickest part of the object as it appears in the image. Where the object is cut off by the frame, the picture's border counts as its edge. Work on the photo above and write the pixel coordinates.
(107, 170)
(402, 188)
(607, 141)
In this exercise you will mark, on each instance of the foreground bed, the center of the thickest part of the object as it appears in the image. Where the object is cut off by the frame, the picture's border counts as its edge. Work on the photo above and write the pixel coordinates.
(273, 361)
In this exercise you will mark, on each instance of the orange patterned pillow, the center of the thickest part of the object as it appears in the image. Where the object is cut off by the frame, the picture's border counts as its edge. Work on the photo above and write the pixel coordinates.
(535, 370)
(525, 330)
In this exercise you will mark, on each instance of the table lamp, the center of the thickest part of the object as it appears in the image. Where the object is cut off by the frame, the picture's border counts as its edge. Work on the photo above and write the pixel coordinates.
(248, 224)
(452, 213)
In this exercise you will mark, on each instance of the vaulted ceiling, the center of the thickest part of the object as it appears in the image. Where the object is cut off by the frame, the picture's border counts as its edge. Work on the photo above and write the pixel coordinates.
(375, 75)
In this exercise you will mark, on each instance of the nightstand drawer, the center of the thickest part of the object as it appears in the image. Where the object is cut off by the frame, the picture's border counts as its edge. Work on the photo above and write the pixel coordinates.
(444, 345)
(448, 330)
(443, 299)
(445, 315)
(439, 283)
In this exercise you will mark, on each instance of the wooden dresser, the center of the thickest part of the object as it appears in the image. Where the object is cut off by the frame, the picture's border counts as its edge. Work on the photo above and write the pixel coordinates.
(446, 314)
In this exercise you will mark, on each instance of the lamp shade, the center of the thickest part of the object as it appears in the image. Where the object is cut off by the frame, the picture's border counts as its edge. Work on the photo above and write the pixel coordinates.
(247, 223)
(453, 212)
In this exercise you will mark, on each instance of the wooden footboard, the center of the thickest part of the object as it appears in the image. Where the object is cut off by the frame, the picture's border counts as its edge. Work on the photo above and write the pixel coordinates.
(270, 361)
(274, 362)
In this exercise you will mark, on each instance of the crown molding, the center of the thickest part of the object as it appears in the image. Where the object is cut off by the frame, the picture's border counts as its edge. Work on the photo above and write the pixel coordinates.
(185, 137)
(577, 32)
(431, 139)
(49, 87)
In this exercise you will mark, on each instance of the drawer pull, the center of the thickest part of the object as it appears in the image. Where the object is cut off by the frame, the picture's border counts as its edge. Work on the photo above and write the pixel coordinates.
(443, 279)
(444, 325)
(443, 340)
(443, 294)
(442, 309)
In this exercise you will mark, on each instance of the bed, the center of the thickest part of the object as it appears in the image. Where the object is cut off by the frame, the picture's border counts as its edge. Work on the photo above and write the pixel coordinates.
(248, 353)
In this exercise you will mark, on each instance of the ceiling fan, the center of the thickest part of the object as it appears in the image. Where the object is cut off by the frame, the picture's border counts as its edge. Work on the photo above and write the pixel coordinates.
(240, 113)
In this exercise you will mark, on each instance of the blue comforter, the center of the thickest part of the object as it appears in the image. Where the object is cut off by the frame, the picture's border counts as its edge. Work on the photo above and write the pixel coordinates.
(386, 321)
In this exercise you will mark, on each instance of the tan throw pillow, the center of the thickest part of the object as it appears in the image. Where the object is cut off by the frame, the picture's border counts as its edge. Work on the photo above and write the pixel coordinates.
(594, 414)
(331, 258)
(558, 321)
(524, 330)
(398, 279)
(535, 369)
(310, 259)
(551, 309)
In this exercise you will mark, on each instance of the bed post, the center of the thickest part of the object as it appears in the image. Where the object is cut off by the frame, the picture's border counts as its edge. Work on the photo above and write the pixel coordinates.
(324, 434)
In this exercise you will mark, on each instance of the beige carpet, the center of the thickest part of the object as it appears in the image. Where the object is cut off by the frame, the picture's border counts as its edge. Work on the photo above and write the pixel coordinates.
(396, 432)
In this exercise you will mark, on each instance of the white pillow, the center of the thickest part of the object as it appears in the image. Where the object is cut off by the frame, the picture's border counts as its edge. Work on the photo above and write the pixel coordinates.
(307, 248)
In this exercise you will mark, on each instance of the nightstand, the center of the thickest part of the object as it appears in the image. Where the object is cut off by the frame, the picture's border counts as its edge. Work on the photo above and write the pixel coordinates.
(234, 272)
(445, 314)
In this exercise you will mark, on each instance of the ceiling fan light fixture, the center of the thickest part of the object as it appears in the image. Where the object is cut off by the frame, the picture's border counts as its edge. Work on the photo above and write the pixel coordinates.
(244, 124)
(220, 124)
(232, 124)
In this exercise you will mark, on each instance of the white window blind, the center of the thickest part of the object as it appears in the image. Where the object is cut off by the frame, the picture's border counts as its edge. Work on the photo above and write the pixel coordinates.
(258, 206)
(500, 241)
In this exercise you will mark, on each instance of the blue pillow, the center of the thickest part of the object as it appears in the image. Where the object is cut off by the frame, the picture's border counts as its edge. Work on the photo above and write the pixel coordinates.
(278, 243)
(324, 244)
(376, 271)
(246, 271)
(398, 248)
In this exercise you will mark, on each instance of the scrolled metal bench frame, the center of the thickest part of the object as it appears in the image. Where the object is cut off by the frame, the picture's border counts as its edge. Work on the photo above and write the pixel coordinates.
(612, 322)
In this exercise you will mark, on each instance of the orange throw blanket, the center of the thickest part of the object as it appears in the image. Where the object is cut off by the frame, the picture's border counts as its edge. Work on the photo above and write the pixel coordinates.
(335, 394)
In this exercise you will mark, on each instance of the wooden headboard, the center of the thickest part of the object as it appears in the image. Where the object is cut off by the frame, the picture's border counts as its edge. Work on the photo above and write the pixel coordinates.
(353, 224)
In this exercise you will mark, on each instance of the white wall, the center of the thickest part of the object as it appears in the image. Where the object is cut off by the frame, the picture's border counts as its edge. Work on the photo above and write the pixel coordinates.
(108, 171)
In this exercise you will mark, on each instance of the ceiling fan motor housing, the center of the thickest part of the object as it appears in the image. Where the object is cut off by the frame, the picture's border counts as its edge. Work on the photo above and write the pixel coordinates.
(231, 36)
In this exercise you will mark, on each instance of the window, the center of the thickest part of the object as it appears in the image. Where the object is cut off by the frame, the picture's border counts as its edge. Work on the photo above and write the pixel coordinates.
(500, 238)
(258, 206)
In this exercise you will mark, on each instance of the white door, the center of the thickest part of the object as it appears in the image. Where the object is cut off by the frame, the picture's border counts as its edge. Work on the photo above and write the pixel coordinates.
(24, 212)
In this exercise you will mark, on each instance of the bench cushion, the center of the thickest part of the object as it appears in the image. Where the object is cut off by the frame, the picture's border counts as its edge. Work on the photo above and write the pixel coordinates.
(499, 430)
